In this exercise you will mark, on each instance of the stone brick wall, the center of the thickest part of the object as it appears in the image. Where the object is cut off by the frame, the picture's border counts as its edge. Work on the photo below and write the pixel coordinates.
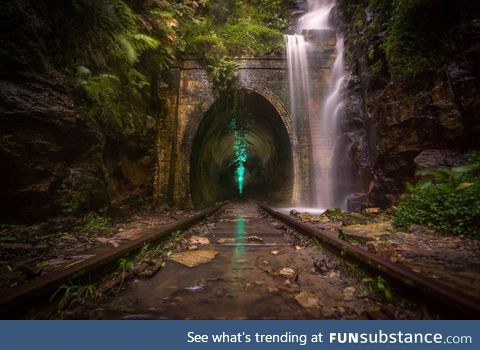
(191, 96)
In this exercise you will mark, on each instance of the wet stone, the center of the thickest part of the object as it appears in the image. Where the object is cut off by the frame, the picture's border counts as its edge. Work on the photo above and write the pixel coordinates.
(194, 258)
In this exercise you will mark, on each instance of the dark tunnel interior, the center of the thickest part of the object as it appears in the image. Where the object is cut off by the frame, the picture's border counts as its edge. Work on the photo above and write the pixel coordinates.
(246, 122)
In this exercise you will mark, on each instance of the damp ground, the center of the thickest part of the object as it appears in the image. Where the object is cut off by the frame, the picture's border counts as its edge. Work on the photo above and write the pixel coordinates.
(245, 265)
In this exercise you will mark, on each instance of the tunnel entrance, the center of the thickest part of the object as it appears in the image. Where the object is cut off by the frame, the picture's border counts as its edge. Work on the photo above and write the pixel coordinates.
(242, 150)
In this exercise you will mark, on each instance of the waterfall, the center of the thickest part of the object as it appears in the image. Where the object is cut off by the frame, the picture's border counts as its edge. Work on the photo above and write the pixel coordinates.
(332, 105)
(298, 76)
(323, 121)
(317, 16)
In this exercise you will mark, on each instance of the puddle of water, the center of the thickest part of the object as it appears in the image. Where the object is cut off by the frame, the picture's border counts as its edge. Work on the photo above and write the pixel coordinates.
(243, 282)
(196, 288)
(313, 211)
(239, 251)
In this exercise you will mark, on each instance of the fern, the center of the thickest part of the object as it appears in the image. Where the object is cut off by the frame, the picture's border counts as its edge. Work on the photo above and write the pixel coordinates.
(126, 49)
(444, 199)
(122, 16)
(222, 73)
(451, 176)
(143, 42)
(103, 88)
(137, 82)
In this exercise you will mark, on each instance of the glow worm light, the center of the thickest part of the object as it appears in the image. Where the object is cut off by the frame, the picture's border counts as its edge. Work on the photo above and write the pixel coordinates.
(240, 149)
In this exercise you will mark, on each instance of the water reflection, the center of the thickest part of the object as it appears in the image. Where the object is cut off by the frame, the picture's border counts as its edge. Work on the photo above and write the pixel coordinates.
(240, 248)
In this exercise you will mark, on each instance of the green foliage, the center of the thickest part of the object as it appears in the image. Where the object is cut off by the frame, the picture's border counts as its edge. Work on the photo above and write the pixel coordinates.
(444, 199)
(95, 222)
(145, 248)
(222, 73)
(415, 37)
(69, 202)
(380, 286)
(106, 93)
(232, 29)
(102, 89)
(241, 38)
(221, 68)
(126, 46)
(119, 50)
(15, 232)
(244, 38)
(424, 34)
(105, 28)
(71, 294)
(143, 42)
(221, 10)
(210, 45)
(124, 264)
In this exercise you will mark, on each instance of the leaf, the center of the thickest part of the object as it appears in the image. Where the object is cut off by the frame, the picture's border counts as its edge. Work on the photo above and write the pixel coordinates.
(464, 169)
(194, 258)
(438, 174)
(143, 42)
(129, 49)
(83, 72)
(380, 284)
(388, 295)
(423, 184)
(125, 264)
(367, 280)
(464, 185)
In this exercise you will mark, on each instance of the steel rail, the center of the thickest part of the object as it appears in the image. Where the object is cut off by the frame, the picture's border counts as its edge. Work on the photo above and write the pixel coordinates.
(35, 289)
(458, 302)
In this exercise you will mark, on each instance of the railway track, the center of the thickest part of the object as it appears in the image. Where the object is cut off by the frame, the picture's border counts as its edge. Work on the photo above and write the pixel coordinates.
(15, 302)
(434, 292)
(259, 267)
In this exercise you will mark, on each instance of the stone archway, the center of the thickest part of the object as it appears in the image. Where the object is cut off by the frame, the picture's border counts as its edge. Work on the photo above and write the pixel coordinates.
(269, 171)
(191, 99)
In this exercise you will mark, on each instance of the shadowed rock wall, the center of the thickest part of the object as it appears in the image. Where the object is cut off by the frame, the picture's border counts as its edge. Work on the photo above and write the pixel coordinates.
(55, 160)
(391, 128)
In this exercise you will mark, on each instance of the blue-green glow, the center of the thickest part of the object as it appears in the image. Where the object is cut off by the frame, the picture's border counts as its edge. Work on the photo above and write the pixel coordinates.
(240, 249)
(240, 149)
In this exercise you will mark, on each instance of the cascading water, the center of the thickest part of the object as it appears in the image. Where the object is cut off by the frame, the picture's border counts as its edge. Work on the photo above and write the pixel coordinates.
(328, 132)
(323, 121)
(298, 76)
(317, 16)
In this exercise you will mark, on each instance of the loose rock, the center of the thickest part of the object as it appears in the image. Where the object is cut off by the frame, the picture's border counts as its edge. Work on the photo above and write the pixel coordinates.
(287, 272)
(226, 240)
(194, 240)
(194, 258)
(307, 299)
(348, 293)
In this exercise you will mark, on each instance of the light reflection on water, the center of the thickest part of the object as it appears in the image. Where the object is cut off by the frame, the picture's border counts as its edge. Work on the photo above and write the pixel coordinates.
(240, 248)
(313, 211)
(239, 237)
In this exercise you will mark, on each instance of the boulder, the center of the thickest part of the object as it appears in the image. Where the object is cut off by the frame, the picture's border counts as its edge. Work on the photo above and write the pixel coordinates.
(436, 158)
(368, 232)
(356, 202)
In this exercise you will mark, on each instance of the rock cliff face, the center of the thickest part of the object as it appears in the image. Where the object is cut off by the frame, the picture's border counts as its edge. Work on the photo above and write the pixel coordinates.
(55, 159)
(44, 145)
(388, 125)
